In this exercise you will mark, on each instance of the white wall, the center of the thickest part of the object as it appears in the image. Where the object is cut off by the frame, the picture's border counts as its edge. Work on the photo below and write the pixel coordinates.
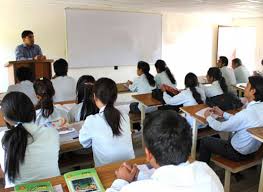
(189, 41)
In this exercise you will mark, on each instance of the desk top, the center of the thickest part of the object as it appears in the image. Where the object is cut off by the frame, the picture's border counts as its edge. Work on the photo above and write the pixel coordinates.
(106, 174)
(122, 88)
(240, 86)
(256, 133)
(147, 99)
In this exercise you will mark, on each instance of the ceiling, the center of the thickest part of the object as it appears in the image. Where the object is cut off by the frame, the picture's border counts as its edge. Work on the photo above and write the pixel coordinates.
(236, 8)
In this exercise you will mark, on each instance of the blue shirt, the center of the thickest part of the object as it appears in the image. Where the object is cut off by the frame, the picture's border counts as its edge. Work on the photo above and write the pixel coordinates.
(24, 52)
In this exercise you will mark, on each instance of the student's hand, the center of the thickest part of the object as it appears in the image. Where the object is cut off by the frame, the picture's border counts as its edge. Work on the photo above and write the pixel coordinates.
(127, 174)
(218, 111)
(163, 88)
(129, 82)
(208, 112)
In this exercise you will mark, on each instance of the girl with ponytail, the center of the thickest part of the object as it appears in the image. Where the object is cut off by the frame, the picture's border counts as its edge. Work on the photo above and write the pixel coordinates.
(85, 102)
(164, 75)
(218, 84)
(28, 152)
(46, 113)
(192, 95)
(108, 132)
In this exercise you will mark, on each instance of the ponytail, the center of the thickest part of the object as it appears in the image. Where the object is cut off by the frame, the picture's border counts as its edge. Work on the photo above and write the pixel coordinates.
(113, 118)
(196, 95)
(14, 143)
(191, 82)
(216, 74)
(170, 75)
(223, 84)
(145, 67)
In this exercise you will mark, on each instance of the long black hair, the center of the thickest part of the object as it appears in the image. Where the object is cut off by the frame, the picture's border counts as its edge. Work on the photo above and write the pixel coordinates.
(105, 90)
(191, 82)
(145, 67)
(19, 109)
(216, 74)
(44, 88)
(161, 66)
(257, 84)
(84, 92)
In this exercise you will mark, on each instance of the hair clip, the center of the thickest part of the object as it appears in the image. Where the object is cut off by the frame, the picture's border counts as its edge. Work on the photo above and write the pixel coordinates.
(41, 78)
(17, 124)
(88, 83)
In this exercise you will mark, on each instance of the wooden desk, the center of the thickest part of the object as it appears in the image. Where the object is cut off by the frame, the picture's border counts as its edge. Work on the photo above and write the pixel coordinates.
(192, 110)
(106, 174)
(122, 88)
(146, 100)
(240, 88)
(257, 133)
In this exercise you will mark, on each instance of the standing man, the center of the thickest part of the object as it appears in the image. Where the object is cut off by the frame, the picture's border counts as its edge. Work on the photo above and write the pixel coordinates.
(28, 50)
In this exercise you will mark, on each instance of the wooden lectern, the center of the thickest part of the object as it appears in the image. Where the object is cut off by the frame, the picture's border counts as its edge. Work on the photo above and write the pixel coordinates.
(39, 69)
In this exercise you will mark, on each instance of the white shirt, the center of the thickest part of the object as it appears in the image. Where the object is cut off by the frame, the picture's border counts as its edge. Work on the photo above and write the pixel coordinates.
(141, 85)
(64, 88)
(57, 114)
(74, 113)
(184, 98)
(213, 89)
(162, 78)
(25, 87)
(241, 74)
(97, 133)
(186, 177)
(229, 75)
(249, 117)
(41, 159)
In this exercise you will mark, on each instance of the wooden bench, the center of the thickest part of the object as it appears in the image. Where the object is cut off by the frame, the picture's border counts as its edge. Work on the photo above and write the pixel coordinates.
(235, 167)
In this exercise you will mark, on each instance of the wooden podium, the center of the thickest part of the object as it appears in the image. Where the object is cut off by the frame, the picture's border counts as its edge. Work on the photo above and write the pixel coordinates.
(39, 69)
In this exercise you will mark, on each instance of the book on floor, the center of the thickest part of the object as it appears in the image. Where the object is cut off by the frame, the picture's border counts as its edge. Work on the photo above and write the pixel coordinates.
(35, 187)
(83, 180)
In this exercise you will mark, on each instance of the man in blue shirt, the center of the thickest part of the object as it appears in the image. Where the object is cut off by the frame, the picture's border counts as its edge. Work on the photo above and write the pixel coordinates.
(28, 50)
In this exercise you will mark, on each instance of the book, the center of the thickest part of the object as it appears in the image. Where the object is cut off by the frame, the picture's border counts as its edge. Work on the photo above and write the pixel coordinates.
(35, 187)
(85, 180)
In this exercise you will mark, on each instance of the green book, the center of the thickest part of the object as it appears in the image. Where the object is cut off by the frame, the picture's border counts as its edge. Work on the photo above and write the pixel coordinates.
(35, 187)
(84, 180)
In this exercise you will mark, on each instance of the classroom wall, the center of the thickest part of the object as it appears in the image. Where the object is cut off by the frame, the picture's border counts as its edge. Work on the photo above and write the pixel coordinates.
(189, 41)
(258, 23)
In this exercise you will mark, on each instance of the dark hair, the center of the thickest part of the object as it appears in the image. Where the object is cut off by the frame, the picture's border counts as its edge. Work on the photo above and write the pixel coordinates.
(167, 135)
(262, 62)
(16, 107)
(161, 66)
(224, 60)
(60, 67)
(26, 33)
(43, 87)
(216, 74)
(145, 67)
(24, 73)
(237, 61)
(191, 82)
(257, 84)
(84, 92)
(105, 90)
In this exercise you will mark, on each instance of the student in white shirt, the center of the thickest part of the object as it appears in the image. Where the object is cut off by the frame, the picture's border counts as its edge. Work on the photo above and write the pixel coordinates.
(145, 83)
(24, 77)
(242, 145)
(259, 72)
(240, 70)
(217, 83)
(164, 75)
(63, 84)
(192, 95)
(85, 100)
(28, 152)
(46, 113)
(227, 72)
(168, 140)
(108, 132)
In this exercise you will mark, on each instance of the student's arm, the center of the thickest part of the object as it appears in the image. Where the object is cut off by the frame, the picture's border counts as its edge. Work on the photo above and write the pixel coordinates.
(157, 81)
(85, 133)
(175, 100)
(117, 185)
(134, 86)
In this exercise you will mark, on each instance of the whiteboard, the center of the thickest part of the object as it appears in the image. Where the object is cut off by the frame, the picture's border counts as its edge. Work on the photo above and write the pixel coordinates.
(97, 38)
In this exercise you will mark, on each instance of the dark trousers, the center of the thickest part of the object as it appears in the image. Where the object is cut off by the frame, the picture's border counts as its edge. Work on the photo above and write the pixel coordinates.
(212, 145)
(134, 108)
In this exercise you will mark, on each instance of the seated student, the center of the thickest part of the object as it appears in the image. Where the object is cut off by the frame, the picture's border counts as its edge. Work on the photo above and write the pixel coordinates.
(192, 95)
(85, 102)
(64, 85)
(168, 140)
(241, 145)
(28, 152)
(108, 132)
(218, 84)
(240, 70)
(46, 112)
(227, 72)
(24, 77)
(259, 72)
(145, 83)
(164, 75)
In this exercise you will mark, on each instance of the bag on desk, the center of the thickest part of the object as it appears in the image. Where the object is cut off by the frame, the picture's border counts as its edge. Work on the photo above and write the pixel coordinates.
(226, 101)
